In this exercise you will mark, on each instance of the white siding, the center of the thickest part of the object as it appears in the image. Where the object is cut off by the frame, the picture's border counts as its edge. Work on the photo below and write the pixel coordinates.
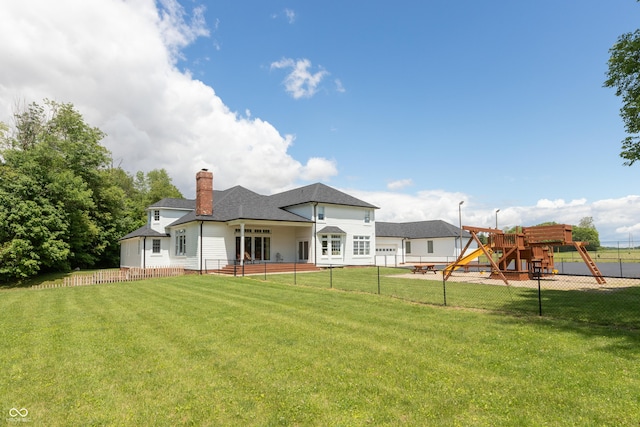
(351, 220)
(157, 260)
(218, 245)
(305, 211)
(167, 216)
(130, 256)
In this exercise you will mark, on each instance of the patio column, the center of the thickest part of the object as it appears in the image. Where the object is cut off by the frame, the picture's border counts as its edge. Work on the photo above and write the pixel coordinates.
(242, 244)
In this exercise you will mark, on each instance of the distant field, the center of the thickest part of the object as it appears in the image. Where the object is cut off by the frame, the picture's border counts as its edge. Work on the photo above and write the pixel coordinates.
(211, 350)
(601, 255)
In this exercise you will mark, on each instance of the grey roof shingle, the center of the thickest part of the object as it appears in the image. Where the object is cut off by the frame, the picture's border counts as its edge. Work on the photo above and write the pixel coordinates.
(319, 193)
(174, 204)
(144, 232)
(240, 203)
(419, 229)
(329, 229)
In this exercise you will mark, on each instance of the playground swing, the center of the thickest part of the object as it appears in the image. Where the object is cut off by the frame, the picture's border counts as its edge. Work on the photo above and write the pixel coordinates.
(522, 256)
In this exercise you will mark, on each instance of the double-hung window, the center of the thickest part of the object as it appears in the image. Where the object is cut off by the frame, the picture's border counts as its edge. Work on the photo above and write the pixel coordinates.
(156, 215)
(181, 242)
(321, 213)
(155, 246)
(336, 244)
(361, 245)
(331, 242)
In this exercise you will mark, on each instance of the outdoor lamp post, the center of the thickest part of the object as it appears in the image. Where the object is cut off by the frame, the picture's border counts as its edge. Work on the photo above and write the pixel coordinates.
(460, 222)
(497, 210)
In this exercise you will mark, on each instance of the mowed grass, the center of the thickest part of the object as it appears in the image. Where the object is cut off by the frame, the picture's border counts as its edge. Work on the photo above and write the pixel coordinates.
(210, 350)
(598, 305)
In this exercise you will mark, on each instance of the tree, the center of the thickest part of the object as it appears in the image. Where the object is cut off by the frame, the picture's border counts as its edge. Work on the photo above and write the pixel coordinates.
(58, 207)
(586, 231)
(62, 203)
(624, 75)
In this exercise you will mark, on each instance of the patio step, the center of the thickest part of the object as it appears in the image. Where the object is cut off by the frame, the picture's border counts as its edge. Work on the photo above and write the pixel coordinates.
(270, 267)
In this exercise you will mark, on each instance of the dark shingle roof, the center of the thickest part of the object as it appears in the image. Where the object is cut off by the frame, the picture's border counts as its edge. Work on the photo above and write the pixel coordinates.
(329, 229)
(319, 193)
(174, 204)
(144, 232)
(240, 203)
(418, 229)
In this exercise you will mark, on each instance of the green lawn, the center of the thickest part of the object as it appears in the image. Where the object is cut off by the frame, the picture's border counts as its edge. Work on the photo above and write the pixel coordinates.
(618, 307)
(211, 350)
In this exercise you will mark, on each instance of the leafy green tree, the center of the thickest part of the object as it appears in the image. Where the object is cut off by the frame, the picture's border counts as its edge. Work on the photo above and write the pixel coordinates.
(586, 231)
(57, 204)
(624, 75)
(62, 203)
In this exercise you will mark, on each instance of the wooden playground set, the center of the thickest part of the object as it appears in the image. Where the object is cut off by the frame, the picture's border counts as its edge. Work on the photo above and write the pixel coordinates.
(525, 255)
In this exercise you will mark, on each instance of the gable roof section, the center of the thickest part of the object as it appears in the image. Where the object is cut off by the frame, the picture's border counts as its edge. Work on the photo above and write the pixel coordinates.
(317, 193)
(239, 203)
(172, 203)
(419, 229)
(144, 231)
(331, 230)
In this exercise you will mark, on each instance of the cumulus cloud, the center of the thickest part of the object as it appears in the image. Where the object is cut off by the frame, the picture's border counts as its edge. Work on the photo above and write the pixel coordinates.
(399, 184)
(300, 82)
(613, 218)
(115, 62)
(558, 203)
(318, 168)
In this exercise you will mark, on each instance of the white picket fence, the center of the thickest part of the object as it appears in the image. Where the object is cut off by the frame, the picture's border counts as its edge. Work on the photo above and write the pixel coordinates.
(114, 276)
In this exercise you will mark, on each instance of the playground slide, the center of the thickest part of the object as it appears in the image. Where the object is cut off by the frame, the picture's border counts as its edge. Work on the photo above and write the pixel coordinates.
(467, 258)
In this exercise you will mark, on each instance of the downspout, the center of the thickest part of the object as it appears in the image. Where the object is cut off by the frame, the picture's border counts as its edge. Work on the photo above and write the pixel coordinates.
(314, 237)
(201, 222)
(144, 252)
(242, 249)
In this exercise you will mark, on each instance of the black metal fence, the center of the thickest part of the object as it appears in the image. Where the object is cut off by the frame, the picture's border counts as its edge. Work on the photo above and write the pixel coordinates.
(576, 297)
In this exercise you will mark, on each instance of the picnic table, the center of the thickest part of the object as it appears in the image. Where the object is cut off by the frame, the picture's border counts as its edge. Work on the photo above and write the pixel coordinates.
(423, 268)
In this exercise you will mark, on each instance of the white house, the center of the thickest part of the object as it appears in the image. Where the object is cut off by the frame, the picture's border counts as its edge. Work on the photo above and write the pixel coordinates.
(434, 241)
(313, 224)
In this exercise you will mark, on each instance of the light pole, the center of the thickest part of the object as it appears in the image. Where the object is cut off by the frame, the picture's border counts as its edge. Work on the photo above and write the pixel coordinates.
(497, 210)
(460, 222)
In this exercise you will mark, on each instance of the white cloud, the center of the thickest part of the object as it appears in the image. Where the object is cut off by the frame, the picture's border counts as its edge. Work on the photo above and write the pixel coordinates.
(319, 169)
(291, 15)
(614, 219)
(399, 184)
(300, 82)
(115, 62)
(558, 203)
(339, 87)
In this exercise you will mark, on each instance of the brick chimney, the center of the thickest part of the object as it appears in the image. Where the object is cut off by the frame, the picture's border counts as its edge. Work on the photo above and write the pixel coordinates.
(204, 192)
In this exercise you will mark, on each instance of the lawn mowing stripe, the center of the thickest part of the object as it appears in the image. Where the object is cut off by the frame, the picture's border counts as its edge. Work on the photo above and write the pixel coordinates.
(372, 360)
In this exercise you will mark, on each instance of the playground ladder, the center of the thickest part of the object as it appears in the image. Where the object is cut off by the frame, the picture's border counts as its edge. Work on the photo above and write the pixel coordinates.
(592, 265)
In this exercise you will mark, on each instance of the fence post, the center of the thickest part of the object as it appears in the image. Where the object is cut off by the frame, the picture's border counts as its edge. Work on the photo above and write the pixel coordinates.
(330, 276)
(295, 275)
(620, 262)
(265, 271)
(539, 296)
(444, 289)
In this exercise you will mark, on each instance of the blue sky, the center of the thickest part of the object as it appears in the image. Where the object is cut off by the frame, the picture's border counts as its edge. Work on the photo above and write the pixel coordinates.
(413, 106)
(499, 99)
